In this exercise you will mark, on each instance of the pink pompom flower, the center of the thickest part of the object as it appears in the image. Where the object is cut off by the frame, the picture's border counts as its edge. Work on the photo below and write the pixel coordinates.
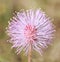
(30, 28)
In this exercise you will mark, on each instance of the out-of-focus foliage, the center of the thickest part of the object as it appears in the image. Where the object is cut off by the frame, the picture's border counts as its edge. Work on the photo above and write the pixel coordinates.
(7, 8)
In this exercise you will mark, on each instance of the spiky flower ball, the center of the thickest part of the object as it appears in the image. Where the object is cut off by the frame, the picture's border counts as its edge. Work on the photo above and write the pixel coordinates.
(30, 27)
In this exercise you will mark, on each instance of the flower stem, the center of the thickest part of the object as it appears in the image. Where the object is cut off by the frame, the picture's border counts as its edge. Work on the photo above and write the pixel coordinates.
(29, 54)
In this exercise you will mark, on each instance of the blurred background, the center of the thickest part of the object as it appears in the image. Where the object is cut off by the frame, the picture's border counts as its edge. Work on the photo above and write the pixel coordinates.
(7, 8)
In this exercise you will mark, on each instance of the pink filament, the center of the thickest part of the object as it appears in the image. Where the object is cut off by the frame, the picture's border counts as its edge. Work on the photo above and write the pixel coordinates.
(30, 32)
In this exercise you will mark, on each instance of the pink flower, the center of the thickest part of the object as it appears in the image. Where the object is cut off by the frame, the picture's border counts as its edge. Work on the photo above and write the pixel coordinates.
(30, 27)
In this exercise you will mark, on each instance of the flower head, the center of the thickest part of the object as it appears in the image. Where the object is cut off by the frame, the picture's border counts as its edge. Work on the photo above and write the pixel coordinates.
(30, 27)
